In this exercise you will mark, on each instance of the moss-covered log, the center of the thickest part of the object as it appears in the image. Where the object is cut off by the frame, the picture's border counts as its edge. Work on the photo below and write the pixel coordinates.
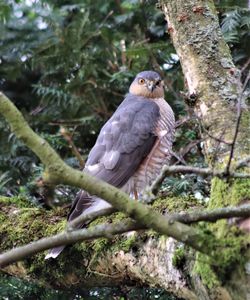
(143, 257)
(211, 75)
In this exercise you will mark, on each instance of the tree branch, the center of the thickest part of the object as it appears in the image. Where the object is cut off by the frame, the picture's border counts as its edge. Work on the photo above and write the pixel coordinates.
(109, 230)
(83, 219)
(212, 215)
(67, 136)
(65, 238)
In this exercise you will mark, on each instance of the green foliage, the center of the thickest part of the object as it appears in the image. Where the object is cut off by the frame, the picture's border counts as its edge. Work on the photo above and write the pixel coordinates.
(4, 179)
(29, 290)
(236, 25)
(236, 30)
(70, 65)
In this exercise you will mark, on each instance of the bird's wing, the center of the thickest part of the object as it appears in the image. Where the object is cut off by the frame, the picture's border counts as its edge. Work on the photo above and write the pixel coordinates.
(124, 141)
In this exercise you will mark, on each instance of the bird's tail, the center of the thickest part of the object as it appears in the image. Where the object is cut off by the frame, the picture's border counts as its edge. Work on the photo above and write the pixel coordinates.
(83, 204)
(53, 253)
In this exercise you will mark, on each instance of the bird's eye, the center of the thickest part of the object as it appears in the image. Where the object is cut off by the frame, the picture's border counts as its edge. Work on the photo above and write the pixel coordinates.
(158, 83)
(141, 81)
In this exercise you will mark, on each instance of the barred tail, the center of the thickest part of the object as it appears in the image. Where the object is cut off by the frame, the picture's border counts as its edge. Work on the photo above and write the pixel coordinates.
(53, 253)
(83, 204)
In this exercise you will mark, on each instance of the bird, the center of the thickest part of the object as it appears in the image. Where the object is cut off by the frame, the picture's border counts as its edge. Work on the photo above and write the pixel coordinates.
(131, 147)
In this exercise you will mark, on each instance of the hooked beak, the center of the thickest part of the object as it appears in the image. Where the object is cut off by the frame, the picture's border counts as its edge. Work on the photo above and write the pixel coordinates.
(151, 86)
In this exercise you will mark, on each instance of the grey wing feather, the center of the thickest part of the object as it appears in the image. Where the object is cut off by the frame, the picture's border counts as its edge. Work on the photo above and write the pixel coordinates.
(124, 141)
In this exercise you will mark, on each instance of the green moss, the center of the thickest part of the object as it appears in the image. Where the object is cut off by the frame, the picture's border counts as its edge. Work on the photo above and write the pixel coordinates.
(18, 201)
(21, 225)
(174, 204)
(179, 257)
(240, 190)
(100, 244)
(229, 252)
(55, 227)
(225, 194)
(203, 268)
(126, 243)
(229, 193)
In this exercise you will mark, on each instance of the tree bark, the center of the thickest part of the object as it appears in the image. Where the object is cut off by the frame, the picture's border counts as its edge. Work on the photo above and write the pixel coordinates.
(209, 72)
(214, 81)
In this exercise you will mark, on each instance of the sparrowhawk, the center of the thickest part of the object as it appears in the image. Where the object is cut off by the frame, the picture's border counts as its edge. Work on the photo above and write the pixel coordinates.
(132, 146)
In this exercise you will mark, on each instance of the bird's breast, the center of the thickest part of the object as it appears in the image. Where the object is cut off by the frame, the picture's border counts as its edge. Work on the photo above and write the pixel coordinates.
(160, 153)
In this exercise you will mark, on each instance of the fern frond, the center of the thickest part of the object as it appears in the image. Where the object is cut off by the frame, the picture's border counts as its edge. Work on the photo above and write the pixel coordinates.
(232, 20)
(4, 179)
(245, 21)
(51, 93)
(231, 37)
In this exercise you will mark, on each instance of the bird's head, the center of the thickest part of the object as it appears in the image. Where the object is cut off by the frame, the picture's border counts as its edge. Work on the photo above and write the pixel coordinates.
(147, 84)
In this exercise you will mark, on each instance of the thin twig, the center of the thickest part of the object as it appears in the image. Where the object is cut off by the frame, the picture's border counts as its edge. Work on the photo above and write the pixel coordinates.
(239, 113)
(166, 170)
(213, 215)
(245, 66)
(227, 169)
(184, 151)
(182, 121)
(67, 136)
(83, 219)
(218, 139)
(178, 157)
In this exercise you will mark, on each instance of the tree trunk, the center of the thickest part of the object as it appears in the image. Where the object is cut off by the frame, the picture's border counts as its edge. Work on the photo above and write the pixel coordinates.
(214, 81)
(210, 75)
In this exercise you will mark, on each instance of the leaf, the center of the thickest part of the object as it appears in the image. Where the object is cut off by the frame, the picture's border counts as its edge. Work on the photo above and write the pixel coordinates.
(4, 179)
(231, 21)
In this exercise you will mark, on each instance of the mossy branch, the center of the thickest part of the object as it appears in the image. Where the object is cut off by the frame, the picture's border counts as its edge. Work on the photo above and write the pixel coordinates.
(66, 238)
(106, 230)
(242, 211)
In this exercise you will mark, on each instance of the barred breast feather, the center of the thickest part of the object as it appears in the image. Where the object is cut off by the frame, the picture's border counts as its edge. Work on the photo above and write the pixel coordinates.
(160, 153)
